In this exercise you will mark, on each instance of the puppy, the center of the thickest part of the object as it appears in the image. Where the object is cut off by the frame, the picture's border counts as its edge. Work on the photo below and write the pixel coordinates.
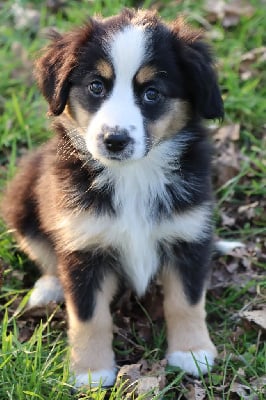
(122, 192)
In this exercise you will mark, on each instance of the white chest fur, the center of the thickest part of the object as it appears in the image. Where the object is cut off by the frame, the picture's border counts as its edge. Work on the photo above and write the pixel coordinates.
(133, 231)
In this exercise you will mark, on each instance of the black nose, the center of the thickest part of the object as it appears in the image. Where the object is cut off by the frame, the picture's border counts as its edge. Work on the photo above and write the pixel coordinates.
(116, 142)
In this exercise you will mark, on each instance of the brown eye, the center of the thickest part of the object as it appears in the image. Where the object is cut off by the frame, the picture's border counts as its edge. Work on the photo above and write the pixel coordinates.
(96, 88)
(151, 95)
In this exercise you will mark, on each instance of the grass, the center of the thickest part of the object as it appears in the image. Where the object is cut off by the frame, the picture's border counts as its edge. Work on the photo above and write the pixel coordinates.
(36, 368)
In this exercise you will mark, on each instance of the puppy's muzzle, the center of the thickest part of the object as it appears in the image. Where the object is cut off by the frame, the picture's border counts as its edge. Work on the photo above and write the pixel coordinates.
(116, 142)
(115, 139)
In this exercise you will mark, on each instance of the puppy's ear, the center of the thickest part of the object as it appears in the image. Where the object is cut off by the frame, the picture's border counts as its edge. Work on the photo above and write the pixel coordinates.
(53, 68)
(196, 62)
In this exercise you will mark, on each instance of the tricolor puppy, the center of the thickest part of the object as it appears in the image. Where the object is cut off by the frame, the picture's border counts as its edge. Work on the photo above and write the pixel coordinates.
(122, 192)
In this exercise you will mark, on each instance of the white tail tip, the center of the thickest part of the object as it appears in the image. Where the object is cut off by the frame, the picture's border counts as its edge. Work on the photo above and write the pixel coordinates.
(227, 246)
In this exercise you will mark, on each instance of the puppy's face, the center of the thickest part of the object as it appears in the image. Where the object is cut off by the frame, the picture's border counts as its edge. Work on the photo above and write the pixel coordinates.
(127, 85)
(129, 98)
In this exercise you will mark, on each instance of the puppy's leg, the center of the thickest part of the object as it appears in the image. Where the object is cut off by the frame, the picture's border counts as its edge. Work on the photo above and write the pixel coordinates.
(48, 287)
(89, 289)
(189, 343)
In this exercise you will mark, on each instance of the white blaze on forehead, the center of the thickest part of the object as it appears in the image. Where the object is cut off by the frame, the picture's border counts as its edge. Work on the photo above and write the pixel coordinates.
(128, 51)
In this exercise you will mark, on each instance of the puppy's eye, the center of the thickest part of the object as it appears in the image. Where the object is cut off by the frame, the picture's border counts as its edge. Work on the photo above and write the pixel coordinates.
(151, 95)
(96, 88)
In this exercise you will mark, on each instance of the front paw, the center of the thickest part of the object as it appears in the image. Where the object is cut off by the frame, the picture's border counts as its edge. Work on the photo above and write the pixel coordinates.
(195, 363)
(102, 378)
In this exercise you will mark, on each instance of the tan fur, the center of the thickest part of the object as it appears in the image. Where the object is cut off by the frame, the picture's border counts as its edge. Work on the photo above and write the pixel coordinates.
(104, 69)
(80, 115)
(145, 74)
(186, 326)
(172, 122)
(42, 253)
(91, 342)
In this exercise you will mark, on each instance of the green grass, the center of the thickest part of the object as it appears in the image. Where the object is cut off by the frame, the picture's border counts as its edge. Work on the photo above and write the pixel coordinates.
(37, 368)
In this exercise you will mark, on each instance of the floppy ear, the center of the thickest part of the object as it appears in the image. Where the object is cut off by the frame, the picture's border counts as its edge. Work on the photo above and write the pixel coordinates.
(196, 62)
(53, 69)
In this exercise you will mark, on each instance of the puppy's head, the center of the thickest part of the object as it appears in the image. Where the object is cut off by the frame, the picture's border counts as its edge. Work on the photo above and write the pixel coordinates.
(129, 82)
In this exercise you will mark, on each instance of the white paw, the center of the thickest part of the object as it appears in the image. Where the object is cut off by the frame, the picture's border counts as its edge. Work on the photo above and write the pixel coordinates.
(102, 377)
(194, 363)
(47, 288)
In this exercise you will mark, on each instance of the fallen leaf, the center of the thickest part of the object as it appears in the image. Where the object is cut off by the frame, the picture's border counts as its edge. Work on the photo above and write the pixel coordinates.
(230, 19)
(226, 220)
(158, 368)
(195, 392)
(215, 10)
(25, 334)
(232, 267)
(258, 317)
(228, 13)
(241, 372)
(143, 378)
(55, 5)
(148, 385)
(242, 391)
(249, 209)
(226, 163)
(227, 156)
(249, 61)
(129, 373)
(25, 18)
(259, 384)
(226, 132)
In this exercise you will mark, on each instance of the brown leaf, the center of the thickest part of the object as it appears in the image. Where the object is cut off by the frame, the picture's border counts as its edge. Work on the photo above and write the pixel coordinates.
(25, 18)
(230, 19)
(227, 158)
(143, 377)
(237, 334)
(55, 5)
(128, 375)
(215, 9)
(148, 385)
(226, 220)
(239, 7)
(226, 164)
(255, 55)
(129, 372)
(25, 334)
(249, 209)
(258, 317)
(259, 384)
(158, 368)
(195, 392)
(237, 269)
(242, 391)
(247, 67)
(228, 13)
(226, 132)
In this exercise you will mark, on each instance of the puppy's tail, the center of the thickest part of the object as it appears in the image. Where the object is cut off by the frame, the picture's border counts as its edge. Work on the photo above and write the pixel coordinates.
(224, 247)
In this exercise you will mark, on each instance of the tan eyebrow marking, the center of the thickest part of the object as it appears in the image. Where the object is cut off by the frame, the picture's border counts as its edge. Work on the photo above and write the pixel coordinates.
(145, 74)
(104, 69)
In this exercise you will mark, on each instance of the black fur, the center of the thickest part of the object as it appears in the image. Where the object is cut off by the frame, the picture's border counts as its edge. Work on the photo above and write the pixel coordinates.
(82, 274)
